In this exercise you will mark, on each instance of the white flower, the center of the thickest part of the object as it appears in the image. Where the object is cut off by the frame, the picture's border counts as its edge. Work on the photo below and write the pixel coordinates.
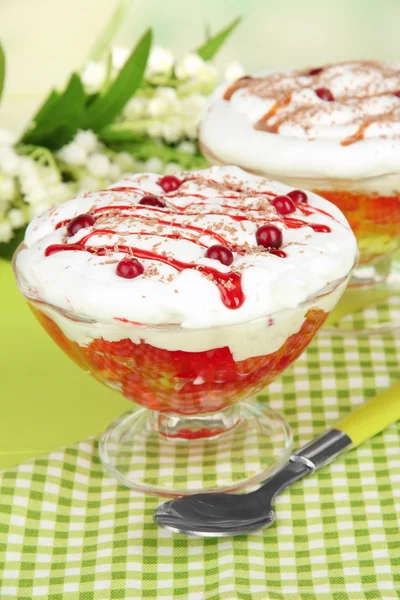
(167, 93)
(16, 217)
(154, 165)
(187, 147)
(172, 131)
(207, 73)
(189, 66)
(73, 154)
(7, 188)
(119, 55)
(59, 192)
(28, 175)
(194, 105)
(115, 171)
(156, 107)
(169, 96)
(8, 137)
(37, 196)
(98, 165)
(9, 160)
(155, 129)
(135, 108)
(190, 128)
(87, 140)
(6, 231)
(171, 168)
(125, 161)
(234, 70)
(89, 184)
(161, 61)
(93, 76)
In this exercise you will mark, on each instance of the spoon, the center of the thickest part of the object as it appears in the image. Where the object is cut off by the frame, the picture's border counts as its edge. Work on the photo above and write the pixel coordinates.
(219, 514)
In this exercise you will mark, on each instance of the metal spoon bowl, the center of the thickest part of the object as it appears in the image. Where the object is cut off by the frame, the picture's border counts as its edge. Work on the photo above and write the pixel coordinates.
(215, 515)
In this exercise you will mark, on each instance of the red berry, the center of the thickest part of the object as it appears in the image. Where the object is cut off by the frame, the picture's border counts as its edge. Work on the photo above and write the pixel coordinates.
(218, 252)
(283, 205)
(152, 201)
(324, 94)
(129, 268)
(80, 222)
(269, 236)
(298, 196)
(279, 253)
(170, 183)
(315, 71)
(396, 93)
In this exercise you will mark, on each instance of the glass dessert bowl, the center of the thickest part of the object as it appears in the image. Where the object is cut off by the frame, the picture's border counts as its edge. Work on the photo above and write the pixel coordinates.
(333, 130)
(109, 305)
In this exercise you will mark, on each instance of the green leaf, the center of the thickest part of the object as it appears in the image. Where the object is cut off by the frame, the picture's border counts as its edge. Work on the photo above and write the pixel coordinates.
(2, 69)
(109, 105)
(46, 107)
(59, 118)
(209, 49)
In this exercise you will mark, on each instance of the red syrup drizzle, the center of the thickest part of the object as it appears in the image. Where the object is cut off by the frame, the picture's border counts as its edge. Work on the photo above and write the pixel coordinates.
(229, 284)
(290, 222)
(201, 230)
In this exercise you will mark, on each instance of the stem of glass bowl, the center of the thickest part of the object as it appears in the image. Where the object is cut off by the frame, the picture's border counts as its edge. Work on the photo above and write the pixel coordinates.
(186, 427)
(257, 443)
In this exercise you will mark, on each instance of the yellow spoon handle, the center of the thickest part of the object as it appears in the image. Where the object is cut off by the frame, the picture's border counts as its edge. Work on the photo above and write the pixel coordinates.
(372, 417)
(362, 424)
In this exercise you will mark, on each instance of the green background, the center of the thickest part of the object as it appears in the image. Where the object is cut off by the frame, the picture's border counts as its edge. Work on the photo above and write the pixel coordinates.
(46, 401)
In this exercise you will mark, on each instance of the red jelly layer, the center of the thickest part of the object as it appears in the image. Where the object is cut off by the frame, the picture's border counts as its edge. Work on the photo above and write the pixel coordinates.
(370, 216)
(181, 382)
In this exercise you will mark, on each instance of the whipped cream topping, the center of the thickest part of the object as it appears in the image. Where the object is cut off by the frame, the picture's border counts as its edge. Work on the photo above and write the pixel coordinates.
(341, 120)
(222, 205)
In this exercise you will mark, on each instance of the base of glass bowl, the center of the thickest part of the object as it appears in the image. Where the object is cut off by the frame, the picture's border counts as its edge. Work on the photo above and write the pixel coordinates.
(369, 286)
(176, 455)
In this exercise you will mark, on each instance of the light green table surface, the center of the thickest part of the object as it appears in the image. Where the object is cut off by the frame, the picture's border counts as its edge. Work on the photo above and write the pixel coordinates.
(46, 402)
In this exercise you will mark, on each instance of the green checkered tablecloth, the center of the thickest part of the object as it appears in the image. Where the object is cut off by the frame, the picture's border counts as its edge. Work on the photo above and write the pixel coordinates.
(69, 532)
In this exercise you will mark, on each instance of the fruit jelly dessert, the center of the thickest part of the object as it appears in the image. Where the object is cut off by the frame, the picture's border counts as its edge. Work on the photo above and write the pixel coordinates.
(189, 292)
(334, 129)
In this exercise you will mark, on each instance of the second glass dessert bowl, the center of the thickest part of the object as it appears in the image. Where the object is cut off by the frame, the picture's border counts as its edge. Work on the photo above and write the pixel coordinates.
(333, 130)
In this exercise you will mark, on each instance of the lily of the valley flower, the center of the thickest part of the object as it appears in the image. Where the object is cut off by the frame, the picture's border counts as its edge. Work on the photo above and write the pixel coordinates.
(165, 113)
(161, 61)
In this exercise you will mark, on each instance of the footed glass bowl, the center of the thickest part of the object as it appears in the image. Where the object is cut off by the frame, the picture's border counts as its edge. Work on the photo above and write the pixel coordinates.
(198, 428)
